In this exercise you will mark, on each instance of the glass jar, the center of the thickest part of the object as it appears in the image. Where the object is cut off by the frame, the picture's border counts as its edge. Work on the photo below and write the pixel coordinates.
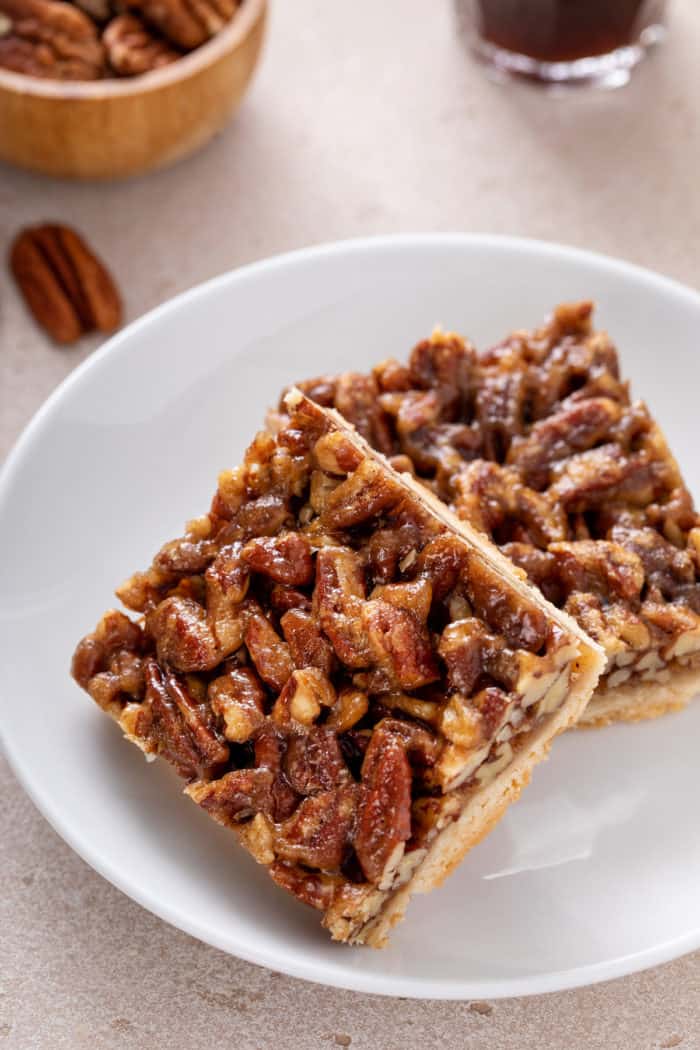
(563, 41)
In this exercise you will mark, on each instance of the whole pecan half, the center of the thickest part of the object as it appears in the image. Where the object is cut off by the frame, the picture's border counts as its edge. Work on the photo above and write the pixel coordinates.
(47, 38)
(384, 813)
(132, 48)
(64, 284)
(186, 23)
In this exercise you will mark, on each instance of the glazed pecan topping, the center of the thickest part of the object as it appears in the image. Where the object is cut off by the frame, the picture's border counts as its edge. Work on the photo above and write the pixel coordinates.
(320, 651)
(536, 443)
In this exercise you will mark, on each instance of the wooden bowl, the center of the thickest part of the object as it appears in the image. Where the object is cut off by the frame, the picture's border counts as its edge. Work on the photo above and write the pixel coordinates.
(107, 129)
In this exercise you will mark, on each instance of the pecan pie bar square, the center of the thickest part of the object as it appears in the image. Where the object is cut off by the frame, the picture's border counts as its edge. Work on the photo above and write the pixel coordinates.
(538, 444)
(353, 681)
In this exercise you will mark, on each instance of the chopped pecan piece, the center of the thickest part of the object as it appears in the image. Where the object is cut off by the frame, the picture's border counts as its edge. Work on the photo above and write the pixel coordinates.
(416, 596)
(335, 454)
(181, 729)
(338, 599)
(142, 591)
(600, 475)
(522, 623)
(320, 491)
(185, 556)
(422, 747)
(318, 832)
(494, 500)
(389, 548)
(303, 696)
(306, 643)
(667, 569)
(571, 319)
(367, 493)
(674, 516)
(350, 707)
(669, 618)
(400, 644)
(98, 10)
(238, 698)
(462, 724)
(312, 888)
(227, 581)
(491, 703)
(270, 750)
(314, 762)
(122, 681)
(182, 635)
(540, 566)
(260, 517)
(268, 652)
(320, 389)
(598, 567)
(446, 363)
(114, 633)
(574, 429)
(432, 444)
(392, 376)
(355, 398)
(285, 558)
(500, 409)
(461, 647)
(282, 599)
(236, 796)
(441, 562)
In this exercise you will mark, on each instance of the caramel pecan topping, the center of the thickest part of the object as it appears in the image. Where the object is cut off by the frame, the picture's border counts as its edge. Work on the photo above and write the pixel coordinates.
(319, 653)
(536, 443)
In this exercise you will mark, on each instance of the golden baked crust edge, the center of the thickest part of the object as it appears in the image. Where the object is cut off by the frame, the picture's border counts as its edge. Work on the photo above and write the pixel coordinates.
(636, 701)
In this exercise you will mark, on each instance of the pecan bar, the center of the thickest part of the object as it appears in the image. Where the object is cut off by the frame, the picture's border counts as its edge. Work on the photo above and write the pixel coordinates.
(538, 444)
(346, 676)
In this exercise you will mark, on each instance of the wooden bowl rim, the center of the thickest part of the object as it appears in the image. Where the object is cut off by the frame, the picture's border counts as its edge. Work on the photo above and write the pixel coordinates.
(228, 40)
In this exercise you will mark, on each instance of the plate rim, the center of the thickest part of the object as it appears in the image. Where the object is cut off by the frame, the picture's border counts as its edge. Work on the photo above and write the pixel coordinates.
(353, 980)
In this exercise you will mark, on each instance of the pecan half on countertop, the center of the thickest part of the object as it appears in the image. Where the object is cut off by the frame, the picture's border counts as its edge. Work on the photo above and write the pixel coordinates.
(47, 38)
(66, 287)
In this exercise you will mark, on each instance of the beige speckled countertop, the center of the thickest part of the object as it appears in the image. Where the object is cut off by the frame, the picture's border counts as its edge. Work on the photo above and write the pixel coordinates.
(364, 118)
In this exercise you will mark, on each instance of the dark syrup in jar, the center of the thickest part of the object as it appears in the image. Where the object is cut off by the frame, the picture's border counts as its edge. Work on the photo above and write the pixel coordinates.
(565, 30)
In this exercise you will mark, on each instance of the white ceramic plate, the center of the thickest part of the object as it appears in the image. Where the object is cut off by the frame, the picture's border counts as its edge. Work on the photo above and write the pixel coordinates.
(592, 875)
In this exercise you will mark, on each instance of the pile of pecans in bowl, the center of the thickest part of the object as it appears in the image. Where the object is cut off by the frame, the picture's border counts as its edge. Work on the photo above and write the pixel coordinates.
(93, 39)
